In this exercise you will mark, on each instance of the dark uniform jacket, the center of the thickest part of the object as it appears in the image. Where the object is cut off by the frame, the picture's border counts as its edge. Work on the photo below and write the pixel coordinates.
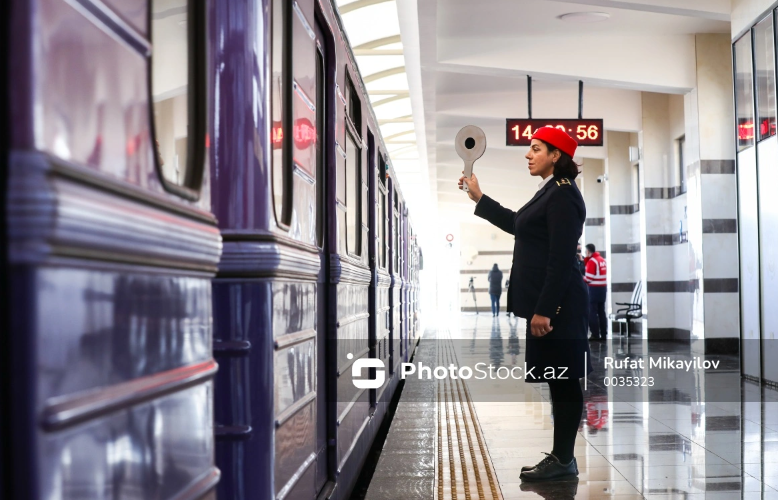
(544, 278)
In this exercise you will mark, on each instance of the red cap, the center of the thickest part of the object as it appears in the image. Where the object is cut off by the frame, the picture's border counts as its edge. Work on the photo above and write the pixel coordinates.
(557, 138)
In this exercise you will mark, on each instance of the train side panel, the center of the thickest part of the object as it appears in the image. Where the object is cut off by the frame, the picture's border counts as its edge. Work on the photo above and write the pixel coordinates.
(111, 310)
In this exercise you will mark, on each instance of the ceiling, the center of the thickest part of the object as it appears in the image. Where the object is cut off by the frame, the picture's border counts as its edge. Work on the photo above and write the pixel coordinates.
(466, 62)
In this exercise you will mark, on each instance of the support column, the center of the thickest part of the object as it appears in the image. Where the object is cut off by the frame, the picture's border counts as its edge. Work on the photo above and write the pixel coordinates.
(623, 218)
(713, 184)
(667, 285)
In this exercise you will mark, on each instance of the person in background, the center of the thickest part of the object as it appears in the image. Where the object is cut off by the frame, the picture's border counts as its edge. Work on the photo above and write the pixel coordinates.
(495, 288)
(596, 278)
(581, 262)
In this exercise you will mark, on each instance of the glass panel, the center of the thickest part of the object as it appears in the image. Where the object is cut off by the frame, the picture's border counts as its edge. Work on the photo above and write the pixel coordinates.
(381, 229)
(319, 149)
(278, 105)
(744, 93)
(353, 191)
(764, 58)
(170, 86)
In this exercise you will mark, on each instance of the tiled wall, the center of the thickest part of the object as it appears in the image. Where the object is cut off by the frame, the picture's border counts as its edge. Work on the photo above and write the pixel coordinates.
(623, 218)
(667, 281)
(710, 105)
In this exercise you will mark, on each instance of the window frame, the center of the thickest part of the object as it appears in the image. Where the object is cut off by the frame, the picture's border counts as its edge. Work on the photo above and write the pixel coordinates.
(353, 131)
(197, 110)
(321, 133)
(383, 192)
(284, 219)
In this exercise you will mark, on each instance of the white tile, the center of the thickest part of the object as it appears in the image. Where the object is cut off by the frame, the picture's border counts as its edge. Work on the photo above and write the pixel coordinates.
(720, 255)
(662, 262)
(722, 315)
(719, 196)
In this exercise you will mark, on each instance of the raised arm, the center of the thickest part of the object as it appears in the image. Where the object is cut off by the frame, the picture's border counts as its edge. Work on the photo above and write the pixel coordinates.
(564, 222)
(487, 208)
(502, 217)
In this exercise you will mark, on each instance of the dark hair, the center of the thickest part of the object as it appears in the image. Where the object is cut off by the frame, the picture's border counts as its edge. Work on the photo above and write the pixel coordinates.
(565, 166)
(591, 248)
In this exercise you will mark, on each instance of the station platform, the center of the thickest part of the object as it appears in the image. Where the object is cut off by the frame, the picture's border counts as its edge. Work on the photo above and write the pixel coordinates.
(451, 439)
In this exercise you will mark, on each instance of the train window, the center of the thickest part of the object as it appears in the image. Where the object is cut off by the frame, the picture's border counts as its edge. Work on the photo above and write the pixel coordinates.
(177, 87)
(744, 102)
(396, 235)
(353, 106)
(280, 110)
(764, 60)
(381, 228)
(381, 170)
(353, 196)
(320, 205)
(382, 212)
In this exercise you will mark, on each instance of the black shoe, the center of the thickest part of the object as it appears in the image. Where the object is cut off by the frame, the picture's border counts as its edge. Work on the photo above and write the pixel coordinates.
(594, 339)
(549, 457)
(551, 469)
(554, 490)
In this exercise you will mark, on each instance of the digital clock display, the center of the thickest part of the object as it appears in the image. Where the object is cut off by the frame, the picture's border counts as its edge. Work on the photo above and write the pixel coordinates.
(588, 132)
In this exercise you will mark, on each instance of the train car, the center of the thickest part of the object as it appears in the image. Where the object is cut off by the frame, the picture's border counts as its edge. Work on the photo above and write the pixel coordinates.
(110, 247)
(188, 183)
(302, 188)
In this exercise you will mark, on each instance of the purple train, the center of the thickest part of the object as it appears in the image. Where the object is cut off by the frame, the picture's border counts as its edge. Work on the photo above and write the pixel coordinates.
(203, 235)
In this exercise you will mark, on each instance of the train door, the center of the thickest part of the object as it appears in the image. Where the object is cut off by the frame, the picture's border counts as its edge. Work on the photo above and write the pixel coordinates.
(5, 348)
(325, 421)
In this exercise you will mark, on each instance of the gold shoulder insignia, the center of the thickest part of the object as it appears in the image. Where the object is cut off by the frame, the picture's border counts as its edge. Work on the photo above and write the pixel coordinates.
(563, 182)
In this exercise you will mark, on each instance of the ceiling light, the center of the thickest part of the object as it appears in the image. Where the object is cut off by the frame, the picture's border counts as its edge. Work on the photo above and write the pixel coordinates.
(585, 17)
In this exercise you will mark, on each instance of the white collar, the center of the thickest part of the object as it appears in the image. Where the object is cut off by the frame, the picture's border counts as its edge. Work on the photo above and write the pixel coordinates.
(545, 181)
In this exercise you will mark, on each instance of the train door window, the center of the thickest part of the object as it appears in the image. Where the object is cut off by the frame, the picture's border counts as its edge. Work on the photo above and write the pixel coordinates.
(353, 196)
(353, 105)
(744, 98)
(764, 62)
(280, 111)
(320, 184)
(177, 88)
(381, 212)
(353, 171)
(396, 235)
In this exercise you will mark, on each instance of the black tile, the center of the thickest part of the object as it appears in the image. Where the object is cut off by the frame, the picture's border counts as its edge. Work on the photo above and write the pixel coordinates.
(658, 240)
(595, 221)
(721, 285)
(717, 166)
(625, 247)
(719, 226)
(624, 209)
(663, 193)
(669, 334)
(671, 286)
(729, 345)
(622, 287)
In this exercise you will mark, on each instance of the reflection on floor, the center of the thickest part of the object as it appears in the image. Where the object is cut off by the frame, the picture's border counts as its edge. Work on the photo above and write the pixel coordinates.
(649, 444)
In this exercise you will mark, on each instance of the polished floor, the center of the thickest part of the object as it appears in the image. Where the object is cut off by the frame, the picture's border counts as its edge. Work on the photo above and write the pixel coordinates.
(695, 434)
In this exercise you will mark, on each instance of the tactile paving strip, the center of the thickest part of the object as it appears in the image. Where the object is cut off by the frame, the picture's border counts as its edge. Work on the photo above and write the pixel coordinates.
(463, 468)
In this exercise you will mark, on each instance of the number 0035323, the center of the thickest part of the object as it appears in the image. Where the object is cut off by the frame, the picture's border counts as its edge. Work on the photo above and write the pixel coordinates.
(587, 132)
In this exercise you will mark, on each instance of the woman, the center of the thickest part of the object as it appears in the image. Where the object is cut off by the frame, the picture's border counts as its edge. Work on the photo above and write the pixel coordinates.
(547, 289)
(495, 288)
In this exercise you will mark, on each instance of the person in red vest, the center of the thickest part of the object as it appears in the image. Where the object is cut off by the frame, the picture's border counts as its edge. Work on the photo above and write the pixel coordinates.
(596, 277)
